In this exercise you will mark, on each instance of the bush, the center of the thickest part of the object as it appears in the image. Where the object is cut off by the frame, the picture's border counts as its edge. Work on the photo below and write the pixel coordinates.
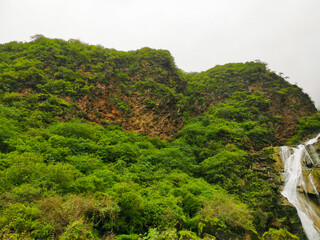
(280, 234)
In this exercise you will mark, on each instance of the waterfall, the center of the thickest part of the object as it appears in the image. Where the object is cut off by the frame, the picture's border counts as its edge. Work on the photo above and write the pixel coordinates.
(298, 163)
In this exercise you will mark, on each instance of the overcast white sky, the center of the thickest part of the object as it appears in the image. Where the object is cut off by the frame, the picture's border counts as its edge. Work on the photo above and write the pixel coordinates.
(199, 33)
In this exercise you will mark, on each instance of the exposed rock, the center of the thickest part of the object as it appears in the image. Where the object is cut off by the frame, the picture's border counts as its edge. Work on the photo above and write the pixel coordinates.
(291, 108)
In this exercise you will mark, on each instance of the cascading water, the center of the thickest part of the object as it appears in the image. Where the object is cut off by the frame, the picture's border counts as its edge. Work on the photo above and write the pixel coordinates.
(299, 182)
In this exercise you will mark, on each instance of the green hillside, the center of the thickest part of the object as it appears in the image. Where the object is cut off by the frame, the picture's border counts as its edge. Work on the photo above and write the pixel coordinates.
(102, 144)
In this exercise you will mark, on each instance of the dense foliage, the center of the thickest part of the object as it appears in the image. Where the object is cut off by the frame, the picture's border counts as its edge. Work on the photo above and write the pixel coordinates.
(307, 126)
(64, 176)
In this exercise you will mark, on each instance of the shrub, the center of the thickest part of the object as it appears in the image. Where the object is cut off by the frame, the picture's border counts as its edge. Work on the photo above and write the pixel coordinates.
(280, 234)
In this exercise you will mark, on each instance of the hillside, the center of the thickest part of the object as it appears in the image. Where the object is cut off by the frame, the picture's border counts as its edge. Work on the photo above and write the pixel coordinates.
(102, 144)
(141, 90)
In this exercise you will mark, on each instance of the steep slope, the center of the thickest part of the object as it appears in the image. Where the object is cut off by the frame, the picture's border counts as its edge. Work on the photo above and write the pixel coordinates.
(141, 90)
(287, 103)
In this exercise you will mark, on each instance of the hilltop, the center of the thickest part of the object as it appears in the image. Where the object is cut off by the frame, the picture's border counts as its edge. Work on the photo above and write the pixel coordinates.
(142, 90)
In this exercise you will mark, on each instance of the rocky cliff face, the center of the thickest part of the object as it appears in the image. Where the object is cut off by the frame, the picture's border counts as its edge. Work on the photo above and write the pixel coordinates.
(146, 100)
(143, 91)
(291, 108)
(287, 103)
(155, 104)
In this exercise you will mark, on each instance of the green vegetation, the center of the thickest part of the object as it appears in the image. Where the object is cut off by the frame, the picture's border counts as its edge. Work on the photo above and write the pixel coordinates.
(69, 171)
(307, 126)
(218, 83)
(281, 234)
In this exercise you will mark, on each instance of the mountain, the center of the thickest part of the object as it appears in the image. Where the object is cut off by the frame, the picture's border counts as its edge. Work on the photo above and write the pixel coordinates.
(104, 144)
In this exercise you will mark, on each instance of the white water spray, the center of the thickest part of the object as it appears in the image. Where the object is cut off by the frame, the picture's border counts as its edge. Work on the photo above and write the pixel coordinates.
(298, 162)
